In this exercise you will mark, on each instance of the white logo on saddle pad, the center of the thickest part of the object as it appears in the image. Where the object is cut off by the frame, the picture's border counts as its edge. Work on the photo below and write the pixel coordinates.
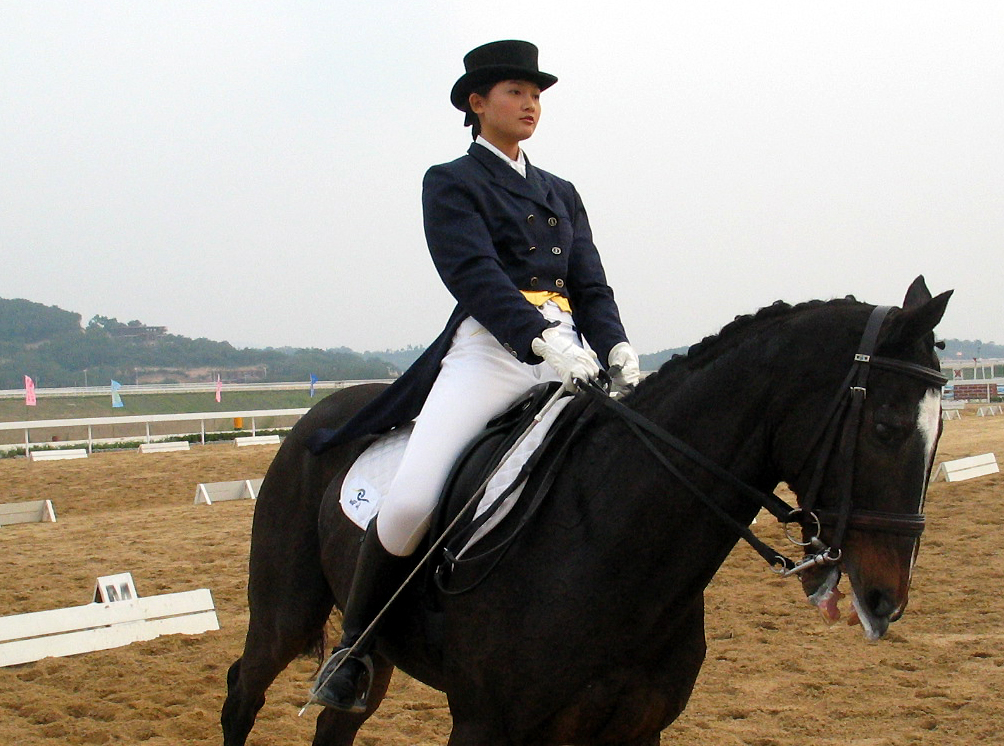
(372, 474)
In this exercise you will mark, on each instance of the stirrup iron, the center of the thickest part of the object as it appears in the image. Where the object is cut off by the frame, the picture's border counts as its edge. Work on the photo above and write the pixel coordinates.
(334, 663)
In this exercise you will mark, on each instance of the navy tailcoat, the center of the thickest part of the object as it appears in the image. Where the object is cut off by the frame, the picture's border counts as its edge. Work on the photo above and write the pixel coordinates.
(493, 233)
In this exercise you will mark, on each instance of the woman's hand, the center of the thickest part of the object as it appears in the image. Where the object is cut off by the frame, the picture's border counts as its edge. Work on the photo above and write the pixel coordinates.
(623, 365)
(570, 361)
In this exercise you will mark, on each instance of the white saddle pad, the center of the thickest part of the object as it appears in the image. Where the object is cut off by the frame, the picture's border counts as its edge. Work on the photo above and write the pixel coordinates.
(370, 477)
(372, 474)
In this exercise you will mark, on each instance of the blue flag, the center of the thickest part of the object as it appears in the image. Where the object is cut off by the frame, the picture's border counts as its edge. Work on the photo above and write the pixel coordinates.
(116, 399)
(313, 380)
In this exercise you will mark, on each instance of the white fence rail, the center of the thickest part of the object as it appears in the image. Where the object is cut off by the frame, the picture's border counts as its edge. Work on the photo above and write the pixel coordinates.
(93, 424)
(183, 388)
(138, 427)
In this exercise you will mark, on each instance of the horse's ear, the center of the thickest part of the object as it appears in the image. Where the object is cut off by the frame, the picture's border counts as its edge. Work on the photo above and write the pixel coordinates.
(919, 316)
(917, 294)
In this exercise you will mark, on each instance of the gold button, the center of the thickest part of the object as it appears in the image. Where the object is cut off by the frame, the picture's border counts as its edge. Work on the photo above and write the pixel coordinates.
(533, 282)
(530, 218)
(559, 283)
(552, 221)
(533, 248)
(556, 250)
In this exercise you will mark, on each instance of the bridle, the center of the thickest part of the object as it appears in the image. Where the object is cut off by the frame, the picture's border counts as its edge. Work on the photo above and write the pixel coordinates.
(846, 407)
(834, 444)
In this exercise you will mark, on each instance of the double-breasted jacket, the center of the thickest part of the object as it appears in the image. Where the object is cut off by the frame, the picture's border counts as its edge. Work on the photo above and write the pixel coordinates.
(493, 233)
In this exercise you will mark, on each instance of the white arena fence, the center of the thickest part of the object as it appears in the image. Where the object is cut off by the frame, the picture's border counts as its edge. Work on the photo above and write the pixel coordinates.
(152, 427)
(185, 388)
(91, 430)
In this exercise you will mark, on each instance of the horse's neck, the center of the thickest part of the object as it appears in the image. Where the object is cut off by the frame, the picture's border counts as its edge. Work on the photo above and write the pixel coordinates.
(720, 413)
(722, 420)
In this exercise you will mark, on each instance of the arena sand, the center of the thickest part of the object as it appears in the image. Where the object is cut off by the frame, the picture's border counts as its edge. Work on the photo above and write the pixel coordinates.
(775, 674)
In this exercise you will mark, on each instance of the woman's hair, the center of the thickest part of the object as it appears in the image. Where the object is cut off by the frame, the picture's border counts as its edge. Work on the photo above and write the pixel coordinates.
(482, 91)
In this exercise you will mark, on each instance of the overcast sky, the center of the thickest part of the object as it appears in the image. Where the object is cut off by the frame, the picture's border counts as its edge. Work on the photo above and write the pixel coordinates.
(251, 171)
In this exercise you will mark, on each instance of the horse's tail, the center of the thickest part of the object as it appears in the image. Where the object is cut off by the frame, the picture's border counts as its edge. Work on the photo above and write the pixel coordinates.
(317, 648)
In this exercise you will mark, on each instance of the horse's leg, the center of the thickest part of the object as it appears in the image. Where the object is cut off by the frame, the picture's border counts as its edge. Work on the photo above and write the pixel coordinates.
(288, 595)
(335, 728)
(646, 741)
(479, 734)
(474, 734)
(276, 635)
(244, 699)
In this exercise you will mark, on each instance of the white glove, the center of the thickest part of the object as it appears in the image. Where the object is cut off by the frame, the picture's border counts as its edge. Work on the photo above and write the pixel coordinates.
(623, 365)
(567, 358)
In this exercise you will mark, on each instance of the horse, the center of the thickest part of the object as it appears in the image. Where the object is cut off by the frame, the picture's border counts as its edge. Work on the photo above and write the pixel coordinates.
(590, 628)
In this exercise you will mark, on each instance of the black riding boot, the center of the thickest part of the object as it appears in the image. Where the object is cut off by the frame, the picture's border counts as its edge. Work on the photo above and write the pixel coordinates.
(377, 576)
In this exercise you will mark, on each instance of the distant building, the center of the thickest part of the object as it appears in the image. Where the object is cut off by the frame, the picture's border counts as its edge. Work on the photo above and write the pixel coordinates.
(973, 380)
(246, 374)
(139, 333)
(982, 391)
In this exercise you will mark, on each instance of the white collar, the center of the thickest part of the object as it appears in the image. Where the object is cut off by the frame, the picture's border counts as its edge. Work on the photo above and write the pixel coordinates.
(518, 165)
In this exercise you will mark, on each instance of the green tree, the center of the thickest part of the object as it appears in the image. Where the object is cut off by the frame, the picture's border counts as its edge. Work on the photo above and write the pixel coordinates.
(28, 323)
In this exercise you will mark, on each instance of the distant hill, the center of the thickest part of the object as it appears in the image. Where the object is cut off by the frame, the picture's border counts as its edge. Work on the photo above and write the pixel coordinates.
(24, 322)
(50, 345)
(400, 359)
(654, 360)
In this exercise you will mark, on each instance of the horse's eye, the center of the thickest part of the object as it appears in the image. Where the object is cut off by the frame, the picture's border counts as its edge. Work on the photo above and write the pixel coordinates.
(886, 433)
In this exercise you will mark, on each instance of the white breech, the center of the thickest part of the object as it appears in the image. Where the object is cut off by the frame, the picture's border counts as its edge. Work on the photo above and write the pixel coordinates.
(477, 380)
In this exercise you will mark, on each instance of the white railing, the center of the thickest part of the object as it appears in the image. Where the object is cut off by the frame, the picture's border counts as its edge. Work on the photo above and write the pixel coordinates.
(111, 423)
(183, 388)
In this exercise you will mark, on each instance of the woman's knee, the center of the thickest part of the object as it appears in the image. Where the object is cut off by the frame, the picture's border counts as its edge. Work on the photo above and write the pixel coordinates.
(407, 510)
(399, 532)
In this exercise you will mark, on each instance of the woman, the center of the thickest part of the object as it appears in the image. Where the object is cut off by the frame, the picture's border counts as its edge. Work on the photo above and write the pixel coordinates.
(512, 244)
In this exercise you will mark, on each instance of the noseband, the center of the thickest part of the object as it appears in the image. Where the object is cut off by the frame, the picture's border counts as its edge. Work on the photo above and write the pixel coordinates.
(836, 439)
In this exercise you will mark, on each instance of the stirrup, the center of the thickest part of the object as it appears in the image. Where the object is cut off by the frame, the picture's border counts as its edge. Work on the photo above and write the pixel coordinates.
(330, 667)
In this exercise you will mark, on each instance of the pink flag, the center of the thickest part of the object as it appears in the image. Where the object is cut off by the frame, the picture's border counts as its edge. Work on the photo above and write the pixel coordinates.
(219, 388)
(29, 392)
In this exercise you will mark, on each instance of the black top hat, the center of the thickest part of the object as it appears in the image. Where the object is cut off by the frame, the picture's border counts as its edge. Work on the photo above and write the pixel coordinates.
(495, 61)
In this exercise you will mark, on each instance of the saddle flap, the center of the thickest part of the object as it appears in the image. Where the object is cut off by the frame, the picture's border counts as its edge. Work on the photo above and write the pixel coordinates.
(513, 492)
(371, 475)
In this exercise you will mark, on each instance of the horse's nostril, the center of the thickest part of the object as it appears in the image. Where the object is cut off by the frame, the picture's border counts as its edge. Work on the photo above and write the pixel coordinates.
(880, 603)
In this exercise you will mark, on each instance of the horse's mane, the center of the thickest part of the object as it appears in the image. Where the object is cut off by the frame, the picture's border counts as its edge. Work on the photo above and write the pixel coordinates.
(712, 346)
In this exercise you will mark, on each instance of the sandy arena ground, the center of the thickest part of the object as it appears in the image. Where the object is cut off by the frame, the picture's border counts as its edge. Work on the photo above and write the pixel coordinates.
(775, 674)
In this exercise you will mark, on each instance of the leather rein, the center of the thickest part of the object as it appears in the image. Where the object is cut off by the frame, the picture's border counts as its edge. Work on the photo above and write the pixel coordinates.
(836, 438)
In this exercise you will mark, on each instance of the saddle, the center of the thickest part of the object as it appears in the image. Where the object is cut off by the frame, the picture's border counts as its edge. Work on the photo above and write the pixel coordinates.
(511, 497)
(528, 470)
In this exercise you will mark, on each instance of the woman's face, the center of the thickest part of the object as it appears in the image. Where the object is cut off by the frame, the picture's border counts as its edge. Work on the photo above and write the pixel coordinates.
(508, 114)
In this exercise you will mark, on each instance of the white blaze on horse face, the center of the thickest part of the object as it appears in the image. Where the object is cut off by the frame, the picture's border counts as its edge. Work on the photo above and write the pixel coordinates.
(928, 419)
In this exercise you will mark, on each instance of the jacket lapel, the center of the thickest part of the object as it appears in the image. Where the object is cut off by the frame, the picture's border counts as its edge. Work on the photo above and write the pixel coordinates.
(532, 187)
(536, 182)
